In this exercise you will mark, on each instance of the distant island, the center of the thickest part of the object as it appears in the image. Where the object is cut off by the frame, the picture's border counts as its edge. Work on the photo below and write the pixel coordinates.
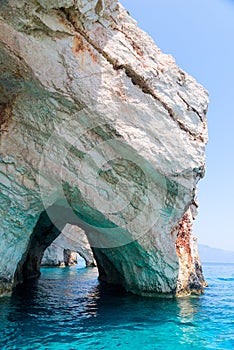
(209, 254)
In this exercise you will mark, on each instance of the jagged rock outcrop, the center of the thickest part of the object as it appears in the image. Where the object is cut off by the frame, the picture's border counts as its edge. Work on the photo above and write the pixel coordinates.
(72, 239)
(101, 130)
(190, 277)
(70, 258)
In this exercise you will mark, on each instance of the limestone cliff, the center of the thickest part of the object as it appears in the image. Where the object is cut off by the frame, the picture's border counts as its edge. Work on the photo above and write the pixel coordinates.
(101, 130)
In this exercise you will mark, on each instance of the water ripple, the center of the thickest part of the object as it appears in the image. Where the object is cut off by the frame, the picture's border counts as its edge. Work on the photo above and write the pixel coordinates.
(69, 309)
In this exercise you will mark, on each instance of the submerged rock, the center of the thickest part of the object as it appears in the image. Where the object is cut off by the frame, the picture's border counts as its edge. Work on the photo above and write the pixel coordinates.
(101, 130)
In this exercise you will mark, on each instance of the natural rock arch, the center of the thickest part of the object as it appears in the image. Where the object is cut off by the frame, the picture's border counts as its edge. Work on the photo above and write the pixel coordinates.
(130, 265)
(96, 120)
(72, 240)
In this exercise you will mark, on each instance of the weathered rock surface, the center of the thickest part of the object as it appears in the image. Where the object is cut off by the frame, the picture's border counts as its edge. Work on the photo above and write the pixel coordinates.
(190, 277)
(70, 258)
(101, 130)
(72, 239)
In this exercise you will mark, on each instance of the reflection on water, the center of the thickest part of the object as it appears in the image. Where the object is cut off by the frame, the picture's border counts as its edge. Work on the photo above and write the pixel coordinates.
(187, 309)
(69, 309)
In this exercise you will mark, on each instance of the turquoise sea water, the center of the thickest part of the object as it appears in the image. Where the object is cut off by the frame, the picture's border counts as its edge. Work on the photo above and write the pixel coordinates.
(67, 308)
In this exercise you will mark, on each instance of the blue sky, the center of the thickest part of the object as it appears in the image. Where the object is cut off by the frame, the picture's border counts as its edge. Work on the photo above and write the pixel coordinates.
(200, 36)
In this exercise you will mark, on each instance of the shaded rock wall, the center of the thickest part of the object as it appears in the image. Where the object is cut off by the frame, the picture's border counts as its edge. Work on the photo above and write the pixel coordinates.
(101, 130)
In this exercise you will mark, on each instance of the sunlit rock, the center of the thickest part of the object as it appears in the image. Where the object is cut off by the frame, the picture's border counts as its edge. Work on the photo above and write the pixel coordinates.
(101, 130)
(190, 279)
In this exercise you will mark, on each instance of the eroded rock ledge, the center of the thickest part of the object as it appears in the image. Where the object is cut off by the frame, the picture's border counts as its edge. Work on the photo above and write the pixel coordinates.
(101, 130)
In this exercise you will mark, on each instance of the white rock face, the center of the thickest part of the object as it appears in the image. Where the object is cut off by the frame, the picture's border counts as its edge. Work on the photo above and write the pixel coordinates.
(71, 238)
(101, 130)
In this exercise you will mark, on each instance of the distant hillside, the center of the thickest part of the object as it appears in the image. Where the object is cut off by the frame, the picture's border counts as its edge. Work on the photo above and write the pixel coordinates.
(208, 254)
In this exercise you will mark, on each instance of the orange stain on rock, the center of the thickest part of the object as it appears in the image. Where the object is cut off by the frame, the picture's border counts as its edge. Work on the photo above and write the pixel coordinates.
(184, 230)
(80, 46)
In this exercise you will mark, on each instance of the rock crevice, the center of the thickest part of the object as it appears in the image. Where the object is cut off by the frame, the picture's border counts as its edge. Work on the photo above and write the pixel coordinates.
(137, 79)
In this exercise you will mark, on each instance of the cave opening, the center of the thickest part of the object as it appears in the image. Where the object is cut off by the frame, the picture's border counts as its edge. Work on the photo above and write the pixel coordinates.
(50, 228)
(56, 243)
(70, 248)
(121, 265)
(81, 263)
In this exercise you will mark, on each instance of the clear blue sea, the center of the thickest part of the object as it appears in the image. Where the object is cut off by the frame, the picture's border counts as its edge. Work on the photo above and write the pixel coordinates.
(67, 308)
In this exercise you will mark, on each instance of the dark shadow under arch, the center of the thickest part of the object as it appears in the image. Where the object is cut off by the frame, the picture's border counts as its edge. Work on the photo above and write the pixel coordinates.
(44, 233)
